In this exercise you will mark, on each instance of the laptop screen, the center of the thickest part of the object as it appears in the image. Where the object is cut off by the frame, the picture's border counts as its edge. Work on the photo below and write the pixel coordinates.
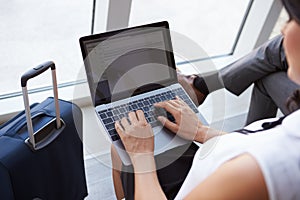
(127, 62)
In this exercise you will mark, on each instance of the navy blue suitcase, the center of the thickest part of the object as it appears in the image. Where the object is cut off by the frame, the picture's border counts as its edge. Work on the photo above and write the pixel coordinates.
(41, 151)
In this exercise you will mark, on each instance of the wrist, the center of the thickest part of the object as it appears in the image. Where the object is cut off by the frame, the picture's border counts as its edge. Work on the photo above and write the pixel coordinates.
(205, 133)
(202, 132)
(143, 162)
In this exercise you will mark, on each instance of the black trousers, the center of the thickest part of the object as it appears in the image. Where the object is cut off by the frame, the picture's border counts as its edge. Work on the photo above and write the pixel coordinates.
(173, 167)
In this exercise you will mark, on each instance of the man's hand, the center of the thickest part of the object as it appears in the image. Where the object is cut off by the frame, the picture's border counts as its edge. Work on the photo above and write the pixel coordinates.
(187, 82)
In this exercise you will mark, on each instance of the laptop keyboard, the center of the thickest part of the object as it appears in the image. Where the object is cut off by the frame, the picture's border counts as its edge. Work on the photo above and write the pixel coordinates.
(110, 116)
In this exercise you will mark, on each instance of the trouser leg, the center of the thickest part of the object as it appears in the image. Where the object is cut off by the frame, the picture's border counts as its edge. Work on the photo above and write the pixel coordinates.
(263, 61)
(269, 94)
(239, 75)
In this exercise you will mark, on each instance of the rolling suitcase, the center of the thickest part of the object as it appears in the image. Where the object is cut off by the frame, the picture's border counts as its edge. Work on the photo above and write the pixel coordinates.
(41, 151)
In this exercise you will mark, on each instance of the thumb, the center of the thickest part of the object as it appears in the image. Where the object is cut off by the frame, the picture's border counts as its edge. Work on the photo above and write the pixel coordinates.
(168, 124)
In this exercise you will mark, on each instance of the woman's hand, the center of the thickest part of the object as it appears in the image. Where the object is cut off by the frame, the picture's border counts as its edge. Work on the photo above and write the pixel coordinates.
(187, 125)
(186, 121)
(137, 137)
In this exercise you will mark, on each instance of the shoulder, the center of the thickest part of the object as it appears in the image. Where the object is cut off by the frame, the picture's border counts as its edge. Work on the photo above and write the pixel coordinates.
(278, 157)
(239, 178)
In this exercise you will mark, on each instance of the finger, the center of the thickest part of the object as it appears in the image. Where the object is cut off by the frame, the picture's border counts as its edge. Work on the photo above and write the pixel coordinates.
(132, 117)
(141, 116)
(119, 128)
(167, 105)
(176, 103)
(180, 101)
(125, 123)
(168, 124)
(173, 107)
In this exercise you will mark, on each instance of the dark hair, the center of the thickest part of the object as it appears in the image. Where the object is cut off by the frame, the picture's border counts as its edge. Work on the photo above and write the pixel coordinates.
(293, 102)
(293, 9)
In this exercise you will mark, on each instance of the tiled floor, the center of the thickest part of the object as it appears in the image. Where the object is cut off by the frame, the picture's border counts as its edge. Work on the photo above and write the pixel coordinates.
(99, 181)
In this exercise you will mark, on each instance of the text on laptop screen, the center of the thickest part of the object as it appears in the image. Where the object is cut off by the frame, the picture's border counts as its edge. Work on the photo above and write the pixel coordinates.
(124, 63)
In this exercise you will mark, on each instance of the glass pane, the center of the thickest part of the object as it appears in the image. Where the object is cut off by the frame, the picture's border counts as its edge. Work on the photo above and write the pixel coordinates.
(212, 24)
(101, 11)
(35, 31)
(282, 19)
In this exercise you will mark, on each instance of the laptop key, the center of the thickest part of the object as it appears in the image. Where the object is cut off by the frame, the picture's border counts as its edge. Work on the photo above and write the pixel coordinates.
(115, 112)
(112, 132)
(103, 115)
(109, 114)
(122, 110)
(146, 109)
(115, 137)
(110, 126)
(116, 118)
(107, 121)
(152, 101)
(146, 103)
(163, 98)
(140, 104)
(151, 119)
(122, 115)
(157, 99)
(134, 106)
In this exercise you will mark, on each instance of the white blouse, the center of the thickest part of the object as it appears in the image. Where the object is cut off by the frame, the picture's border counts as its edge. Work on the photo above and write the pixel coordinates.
(276, 150)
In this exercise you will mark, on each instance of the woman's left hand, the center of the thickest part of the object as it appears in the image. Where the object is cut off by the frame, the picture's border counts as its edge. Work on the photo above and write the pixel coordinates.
(137, 137)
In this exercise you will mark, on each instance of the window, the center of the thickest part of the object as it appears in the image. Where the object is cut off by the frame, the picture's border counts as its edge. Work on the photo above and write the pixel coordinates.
(214, 24)
(226, 30)
(35, 31)
(282, 19)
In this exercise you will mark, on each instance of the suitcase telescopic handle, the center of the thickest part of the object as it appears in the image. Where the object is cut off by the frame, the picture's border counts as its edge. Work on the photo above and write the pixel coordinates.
(24, 79)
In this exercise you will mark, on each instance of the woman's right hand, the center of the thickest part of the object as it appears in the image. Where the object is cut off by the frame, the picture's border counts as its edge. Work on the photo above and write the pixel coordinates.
(186, 125)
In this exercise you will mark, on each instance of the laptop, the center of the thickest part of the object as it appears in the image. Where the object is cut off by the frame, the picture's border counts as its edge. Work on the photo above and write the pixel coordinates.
(131, 69)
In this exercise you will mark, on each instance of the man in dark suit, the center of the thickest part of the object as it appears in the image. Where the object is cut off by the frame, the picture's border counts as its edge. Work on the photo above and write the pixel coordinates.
(266, 67)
